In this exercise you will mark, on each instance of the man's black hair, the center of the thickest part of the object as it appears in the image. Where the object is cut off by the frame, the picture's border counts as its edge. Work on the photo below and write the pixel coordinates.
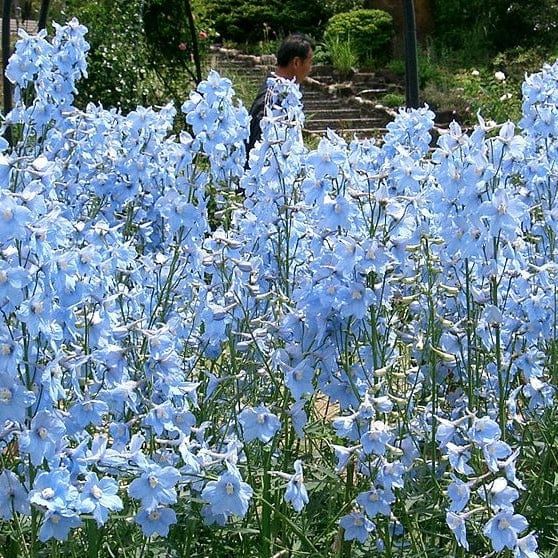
(292, 46)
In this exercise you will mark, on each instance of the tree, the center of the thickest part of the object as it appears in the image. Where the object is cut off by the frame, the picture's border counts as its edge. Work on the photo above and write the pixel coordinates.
(253, 20)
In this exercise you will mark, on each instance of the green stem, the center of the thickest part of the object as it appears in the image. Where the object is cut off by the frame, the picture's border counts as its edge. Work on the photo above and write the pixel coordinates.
(345, 546)
(266, 507)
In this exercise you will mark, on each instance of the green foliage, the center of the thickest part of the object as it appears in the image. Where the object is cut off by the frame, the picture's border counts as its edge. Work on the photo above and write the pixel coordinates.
(480, 27)
(166, 29)
(470, 91)
(250, 21)
(540, 503)
(171, 44)
(463, 25)
(344, 57)
(338, 6)
(140, 50)
(518, 61)
(529, 22)
(369, 31)
(393, 100)
(397, 66)
(118, 59)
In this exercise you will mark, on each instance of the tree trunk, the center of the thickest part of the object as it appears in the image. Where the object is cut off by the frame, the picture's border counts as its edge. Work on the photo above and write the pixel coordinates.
(195, 46)
(6, 15)
(411, 59)
(43, 14)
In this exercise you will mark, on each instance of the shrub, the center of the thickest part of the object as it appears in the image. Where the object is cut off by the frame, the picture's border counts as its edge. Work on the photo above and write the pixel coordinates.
(141, 50)
(467, 92)
(343, 55)
(361, 354)
(393, 100)
(171, 46)
(168, 34)
(249, 21)
(370, 32)
(493, 26)
(118, 59)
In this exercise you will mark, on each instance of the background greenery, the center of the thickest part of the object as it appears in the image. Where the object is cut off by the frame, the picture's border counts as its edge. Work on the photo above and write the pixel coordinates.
(369, 32)
(141, 50)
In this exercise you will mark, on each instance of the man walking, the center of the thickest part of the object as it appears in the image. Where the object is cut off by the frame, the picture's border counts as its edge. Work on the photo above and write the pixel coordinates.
(294, 61)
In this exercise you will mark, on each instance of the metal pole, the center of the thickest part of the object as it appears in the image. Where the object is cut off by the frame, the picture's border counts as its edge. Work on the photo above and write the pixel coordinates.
(411, 59)
(7, 93)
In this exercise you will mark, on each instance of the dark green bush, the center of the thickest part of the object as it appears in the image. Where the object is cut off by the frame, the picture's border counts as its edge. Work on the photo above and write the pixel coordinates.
(250, 21)
(369, 32)
(482, 27)
(118, 59)
(167, 31)
(141, 50)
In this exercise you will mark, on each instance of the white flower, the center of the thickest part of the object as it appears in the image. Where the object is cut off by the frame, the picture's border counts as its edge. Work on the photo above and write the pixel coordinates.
(500, 76)
(506, 97)
(475, 73)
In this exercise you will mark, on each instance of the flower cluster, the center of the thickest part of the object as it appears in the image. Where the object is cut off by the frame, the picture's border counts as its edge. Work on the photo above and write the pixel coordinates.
(399, 293)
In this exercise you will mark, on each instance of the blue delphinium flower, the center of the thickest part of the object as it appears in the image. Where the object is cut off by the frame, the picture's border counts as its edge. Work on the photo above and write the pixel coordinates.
(376, 501)
(375, 439)
(156, 521)
(99, 497)
(14, 217)
(296, 493)
(526, 547)
(484, 431)
(494, 453)
(155, 486)
(503, 213)
(326, 159)
(459, 493)
(13, 496)
(42, 438)
(258, 423)
(459, 457)
(299, 379)
(84, 413)
(299, 417)
(445, 431)
(356, 526)
(12, 281)
(503, 529)
(499, 495)
(229, 494)
(160, 417)
(456, 523)
(210, 518)
(14, 399)
(391, 475)
(114, 257)
(57, 524)
(53, 491)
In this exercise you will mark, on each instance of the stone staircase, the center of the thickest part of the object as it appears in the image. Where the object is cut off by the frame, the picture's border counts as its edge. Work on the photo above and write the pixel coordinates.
(349, 106)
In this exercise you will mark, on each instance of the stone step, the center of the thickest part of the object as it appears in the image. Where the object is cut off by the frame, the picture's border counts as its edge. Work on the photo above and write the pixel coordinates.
(326, 103)
(250, 74)
(322, 69)
(350, 132)
(365, 77)
(29, 25)
(353, 123)
(239, 63)
(336, 113)
(373, 93)
(323, 79)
